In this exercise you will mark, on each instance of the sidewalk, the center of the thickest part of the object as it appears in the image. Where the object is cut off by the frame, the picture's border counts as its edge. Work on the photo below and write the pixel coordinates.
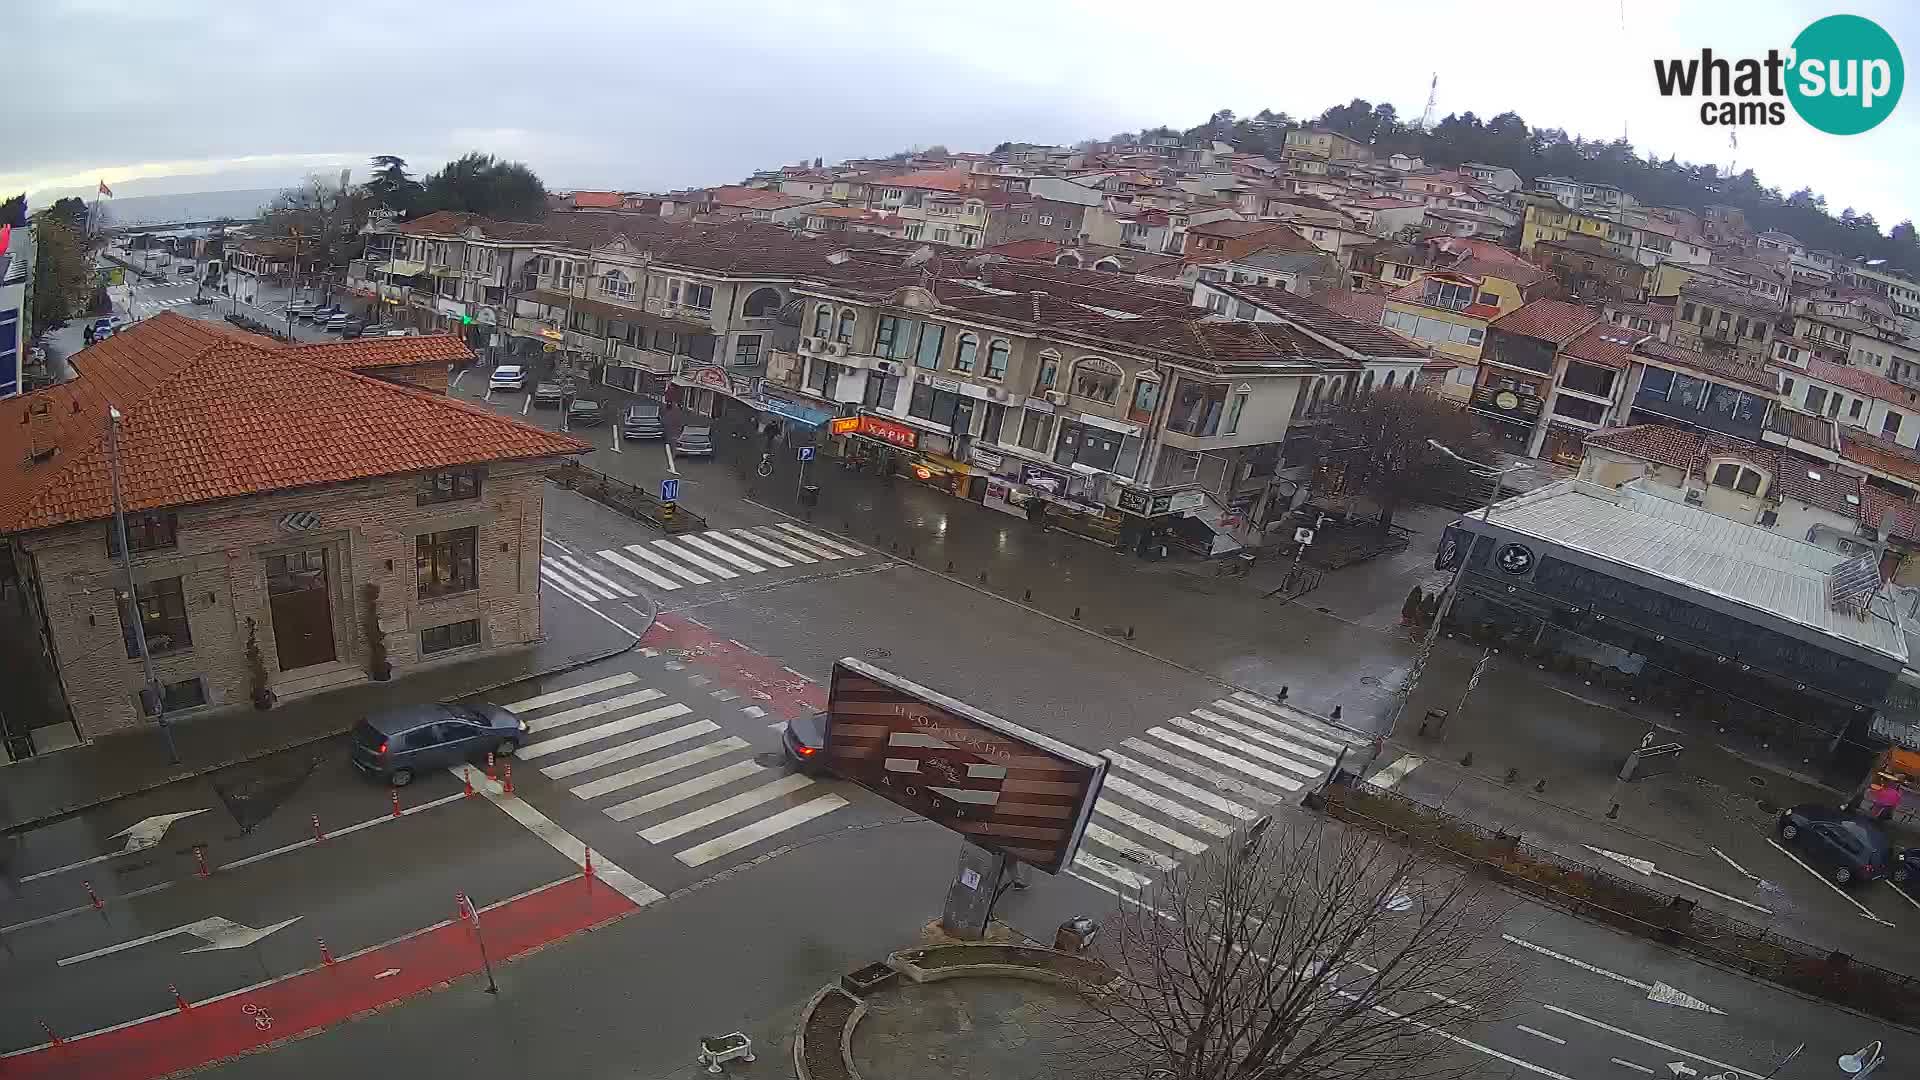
(38, 789)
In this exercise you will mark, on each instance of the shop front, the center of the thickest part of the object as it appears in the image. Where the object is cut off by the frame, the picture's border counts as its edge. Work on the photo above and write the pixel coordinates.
(1156, 519)
(899, 449)
(711, 392)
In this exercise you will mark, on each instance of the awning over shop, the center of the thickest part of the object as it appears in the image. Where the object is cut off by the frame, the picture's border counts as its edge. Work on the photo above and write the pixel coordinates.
(799, 414)
(401, 268)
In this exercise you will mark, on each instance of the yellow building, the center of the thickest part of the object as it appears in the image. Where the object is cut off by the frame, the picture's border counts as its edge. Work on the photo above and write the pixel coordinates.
(1548, 220)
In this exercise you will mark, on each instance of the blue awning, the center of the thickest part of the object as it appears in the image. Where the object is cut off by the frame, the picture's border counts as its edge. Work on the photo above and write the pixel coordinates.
(799, 414)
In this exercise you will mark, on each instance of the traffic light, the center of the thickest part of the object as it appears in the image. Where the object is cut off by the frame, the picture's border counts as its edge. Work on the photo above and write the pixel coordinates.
(466, 320)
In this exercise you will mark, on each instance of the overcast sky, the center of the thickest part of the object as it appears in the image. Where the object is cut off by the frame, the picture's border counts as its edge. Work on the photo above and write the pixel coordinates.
(195, 95)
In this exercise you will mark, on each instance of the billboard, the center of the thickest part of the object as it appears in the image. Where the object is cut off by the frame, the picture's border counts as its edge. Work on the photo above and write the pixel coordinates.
(1002, 786)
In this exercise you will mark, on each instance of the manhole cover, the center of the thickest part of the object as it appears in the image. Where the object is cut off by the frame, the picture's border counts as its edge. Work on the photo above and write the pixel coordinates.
(879, 654)
(1757, 781)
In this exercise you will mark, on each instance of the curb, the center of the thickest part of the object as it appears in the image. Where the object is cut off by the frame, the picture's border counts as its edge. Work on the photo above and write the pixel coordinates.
(846, 1031)
(293, 744)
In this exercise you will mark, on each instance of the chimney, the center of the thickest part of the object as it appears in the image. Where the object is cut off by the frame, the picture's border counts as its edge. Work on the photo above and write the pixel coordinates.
(39, 421)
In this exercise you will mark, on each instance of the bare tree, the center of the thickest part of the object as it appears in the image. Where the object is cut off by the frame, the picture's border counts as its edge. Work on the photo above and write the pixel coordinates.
(326, 215)
(1313, 951)
(1377, 443)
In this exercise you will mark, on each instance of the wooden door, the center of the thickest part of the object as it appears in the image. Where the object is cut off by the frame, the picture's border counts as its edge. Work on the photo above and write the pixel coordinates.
(298, 592)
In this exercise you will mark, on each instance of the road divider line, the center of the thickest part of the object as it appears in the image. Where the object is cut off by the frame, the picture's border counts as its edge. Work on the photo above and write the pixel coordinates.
(1744, 872)
(1656, 991)
(1646, 867)
(1628, 1064)
(1822, 879)
(1538, 1034)
(347, 830)
(1624, 1033)
(1902, 894)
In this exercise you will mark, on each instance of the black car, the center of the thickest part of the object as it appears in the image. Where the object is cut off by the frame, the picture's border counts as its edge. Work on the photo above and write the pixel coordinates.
(642, 421)
(398, 743)
(1849, 847)
(585, 412)
(803, 739)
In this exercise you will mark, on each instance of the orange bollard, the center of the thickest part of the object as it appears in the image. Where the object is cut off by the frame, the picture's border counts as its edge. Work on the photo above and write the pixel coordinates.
(509, 780)
(492, 774)
(200, 856)
(589, 862)
(179, 1002)
(317, 834)
(463, 907)
(98, 905)
(53, 1037)
(326, 955)
(396, 802)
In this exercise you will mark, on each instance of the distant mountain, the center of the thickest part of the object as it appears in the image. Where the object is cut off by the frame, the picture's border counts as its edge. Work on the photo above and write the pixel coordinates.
(241, 205)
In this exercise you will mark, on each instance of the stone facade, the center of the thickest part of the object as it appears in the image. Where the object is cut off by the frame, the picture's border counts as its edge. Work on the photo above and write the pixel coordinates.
(368, 532)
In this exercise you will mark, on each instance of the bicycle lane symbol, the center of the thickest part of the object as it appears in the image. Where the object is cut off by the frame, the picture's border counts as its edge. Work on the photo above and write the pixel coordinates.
(262, 1019)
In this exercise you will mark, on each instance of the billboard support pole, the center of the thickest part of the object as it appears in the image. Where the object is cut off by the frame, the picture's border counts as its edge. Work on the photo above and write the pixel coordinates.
(976, 884)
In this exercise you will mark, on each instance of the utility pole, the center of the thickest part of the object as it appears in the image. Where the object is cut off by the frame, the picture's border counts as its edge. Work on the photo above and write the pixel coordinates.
(1448, 594)
(151, 700)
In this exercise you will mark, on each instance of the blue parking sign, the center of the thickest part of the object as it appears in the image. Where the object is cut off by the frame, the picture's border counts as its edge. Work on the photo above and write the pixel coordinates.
(670, 489)
(806, 453)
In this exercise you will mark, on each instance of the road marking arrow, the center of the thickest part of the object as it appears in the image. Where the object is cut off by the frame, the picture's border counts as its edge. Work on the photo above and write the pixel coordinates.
(1681, 1068)
(1657, 992)
(1645, 867)
(141, 835)
(217, 932)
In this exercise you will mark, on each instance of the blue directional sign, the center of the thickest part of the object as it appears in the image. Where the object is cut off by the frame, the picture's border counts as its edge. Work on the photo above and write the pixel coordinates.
(806, 453)
(670, 489)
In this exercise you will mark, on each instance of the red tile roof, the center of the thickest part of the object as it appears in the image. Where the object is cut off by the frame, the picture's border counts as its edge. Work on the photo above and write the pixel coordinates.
(1861, 381)
(1653, 442)
(933, 180)
(746, 198)
(1368, 339)
(1604, 344)
(368, 353)
(1548, 320)
(1034, 250)
(1877, 453)
(1892, 515)
(597, 200)
(212, 414)
(1817, 483)
(1366, 307)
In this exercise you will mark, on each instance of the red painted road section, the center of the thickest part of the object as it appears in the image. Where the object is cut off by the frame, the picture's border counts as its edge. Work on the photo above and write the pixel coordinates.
(325, 996)
(759, 680)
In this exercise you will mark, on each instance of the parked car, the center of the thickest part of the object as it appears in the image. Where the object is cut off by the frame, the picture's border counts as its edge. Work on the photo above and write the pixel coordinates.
(547, 393)
(695, 441)
(642, 421)
(353, 328)
(1847, 846)
(802, 739)
(186, 270)
(1906, 868)
(397, 744)
(300, 307)
(337, 322)
(508, 378)
(585, 412)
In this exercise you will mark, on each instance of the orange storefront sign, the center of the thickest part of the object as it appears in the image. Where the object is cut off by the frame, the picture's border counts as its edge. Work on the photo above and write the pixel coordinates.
(887, 431)
(843, 425)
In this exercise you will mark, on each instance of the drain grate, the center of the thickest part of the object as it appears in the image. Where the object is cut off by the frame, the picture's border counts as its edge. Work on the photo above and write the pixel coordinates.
(879, 654)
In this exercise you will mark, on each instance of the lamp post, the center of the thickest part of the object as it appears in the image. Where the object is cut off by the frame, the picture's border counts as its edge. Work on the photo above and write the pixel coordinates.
(151, 700)
(1453, 583)
(1864, 1061)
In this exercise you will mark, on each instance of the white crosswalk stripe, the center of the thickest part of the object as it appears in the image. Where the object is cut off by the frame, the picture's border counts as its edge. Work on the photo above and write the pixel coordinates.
(770, 533)
(610, 742)
(607, 582)
(762, 548)
(555, 580)
(696, 559)
(820, 538)
(680, 551)
(668, 565)
(572, 582)
(707, 542)
(1188, 784)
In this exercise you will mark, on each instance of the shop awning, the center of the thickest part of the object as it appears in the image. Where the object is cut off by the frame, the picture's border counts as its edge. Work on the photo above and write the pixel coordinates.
(799, 414)
(402, 268)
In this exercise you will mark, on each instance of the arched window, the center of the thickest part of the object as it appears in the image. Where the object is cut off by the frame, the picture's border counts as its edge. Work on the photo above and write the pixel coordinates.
(1096, 379)
(1366, 385)
(1109, 263)
(997, 360)
(1049, 372)
(822, 321)
(615, 283)
(845, 334)
(761, 304)
(963, 353)
(1388, 384)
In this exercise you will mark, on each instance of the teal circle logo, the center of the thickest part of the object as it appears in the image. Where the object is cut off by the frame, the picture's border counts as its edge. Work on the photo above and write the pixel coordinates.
(1846, 76)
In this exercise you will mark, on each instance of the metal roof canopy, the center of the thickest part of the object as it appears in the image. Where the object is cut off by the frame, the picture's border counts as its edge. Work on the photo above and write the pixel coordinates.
(1740, 570)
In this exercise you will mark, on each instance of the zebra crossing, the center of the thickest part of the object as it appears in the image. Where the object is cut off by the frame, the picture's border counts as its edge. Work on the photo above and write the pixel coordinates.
(680, 780)
(1190, 782)
(700, 558)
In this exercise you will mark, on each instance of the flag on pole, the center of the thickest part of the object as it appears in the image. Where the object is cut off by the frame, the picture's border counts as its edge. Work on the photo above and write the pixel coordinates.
(105, 190)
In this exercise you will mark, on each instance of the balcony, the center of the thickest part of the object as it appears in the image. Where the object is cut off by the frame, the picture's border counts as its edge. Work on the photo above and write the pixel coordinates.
(535, 328)
(645, 359)
(591, 344)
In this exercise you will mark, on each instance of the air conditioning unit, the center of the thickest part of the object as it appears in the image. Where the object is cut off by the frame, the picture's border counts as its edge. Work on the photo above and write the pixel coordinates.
(890, 367)
(809, 344)
(995, 393)
(1057, 397)
(837, 348)
(1694, 495)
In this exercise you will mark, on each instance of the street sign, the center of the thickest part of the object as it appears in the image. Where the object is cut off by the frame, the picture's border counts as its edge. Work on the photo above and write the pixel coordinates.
(1005, 788)
(806, 453)
(1303, 536)
(669, 489)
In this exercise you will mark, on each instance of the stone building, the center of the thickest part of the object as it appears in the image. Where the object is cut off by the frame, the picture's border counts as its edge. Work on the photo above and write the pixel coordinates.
(280, 506)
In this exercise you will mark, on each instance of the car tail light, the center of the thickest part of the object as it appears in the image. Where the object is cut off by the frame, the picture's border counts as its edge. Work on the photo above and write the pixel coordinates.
(804, 750)
(382, 750)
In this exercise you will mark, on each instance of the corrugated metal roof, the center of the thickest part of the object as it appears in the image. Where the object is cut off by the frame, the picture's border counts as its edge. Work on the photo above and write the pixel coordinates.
(1699, 550)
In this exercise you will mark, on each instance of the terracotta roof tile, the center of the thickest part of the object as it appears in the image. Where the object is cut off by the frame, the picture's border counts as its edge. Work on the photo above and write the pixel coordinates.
(1884, 455)
(1604, 344)
(597, 200)
(209, 414)
(1369, 339)
(1548, 320)
(367, 353)
(1817, 483)
(1861, 381)
(1653, 442)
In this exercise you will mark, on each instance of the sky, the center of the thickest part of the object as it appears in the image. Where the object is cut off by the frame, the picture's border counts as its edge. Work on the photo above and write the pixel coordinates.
(199, 95)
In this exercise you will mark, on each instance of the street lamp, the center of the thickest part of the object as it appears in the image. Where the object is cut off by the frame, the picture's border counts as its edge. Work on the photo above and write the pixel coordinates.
(1448, 594)
(151, 700)
(1863, 1061)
